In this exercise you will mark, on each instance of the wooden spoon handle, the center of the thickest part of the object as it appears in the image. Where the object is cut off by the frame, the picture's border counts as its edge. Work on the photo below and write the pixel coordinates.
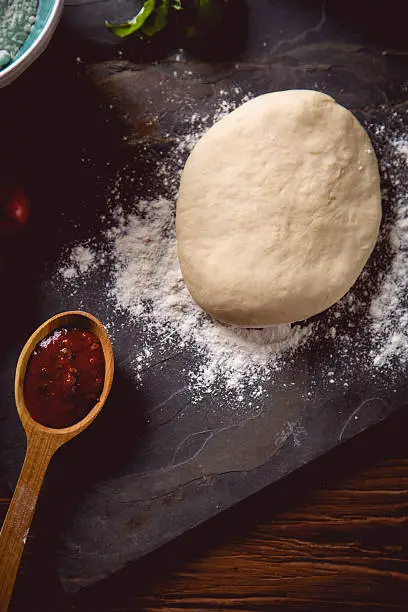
(17, 523)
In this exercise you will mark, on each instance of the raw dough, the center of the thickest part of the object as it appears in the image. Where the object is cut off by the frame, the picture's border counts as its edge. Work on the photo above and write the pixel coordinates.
(279, 209)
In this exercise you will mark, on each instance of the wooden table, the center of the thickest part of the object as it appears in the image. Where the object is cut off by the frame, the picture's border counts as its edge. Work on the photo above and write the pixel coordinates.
(333, 536)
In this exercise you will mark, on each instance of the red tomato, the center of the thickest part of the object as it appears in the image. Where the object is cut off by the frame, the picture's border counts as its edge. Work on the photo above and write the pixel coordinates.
(14, 207)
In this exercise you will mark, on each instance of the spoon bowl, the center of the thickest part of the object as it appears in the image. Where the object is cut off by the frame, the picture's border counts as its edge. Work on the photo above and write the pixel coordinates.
(42, 442)
(73, 318)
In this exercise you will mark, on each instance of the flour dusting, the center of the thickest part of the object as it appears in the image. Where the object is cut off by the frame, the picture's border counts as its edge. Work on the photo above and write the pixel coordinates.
(388, 308)
(81, 260)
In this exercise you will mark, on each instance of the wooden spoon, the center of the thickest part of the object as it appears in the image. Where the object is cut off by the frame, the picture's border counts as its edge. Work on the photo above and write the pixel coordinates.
(42, 442)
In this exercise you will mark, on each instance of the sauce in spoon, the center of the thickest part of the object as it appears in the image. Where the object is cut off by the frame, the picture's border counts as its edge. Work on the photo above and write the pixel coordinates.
(64, 377)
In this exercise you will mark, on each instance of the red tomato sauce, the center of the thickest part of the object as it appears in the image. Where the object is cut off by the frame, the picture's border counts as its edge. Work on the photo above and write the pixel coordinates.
(64, 377)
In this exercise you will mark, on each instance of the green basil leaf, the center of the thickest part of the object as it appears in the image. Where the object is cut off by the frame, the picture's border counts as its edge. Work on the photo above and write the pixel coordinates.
(158, 20)
(135, 24)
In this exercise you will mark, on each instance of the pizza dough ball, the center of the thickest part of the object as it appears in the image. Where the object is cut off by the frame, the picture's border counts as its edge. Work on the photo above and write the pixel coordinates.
(279, 209)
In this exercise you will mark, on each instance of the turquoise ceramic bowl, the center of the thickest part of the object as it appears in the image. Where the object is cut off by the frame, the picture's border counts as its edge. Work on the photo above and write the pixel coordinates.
(48, 15)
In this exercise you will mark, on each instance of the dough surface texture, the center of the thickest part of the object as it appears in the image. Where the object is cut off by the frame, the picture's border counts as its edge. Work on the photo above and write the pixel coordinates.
(279, 209)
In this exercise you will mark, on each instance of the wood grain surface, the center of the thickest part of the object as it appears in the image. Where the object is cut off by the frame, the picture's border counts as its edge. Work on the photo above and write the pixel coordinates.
(332, 536)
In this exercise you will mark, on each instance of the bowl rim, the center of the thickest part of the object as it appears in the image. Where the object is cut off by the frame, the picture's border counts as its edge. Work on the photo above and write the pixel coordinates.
(14, 69)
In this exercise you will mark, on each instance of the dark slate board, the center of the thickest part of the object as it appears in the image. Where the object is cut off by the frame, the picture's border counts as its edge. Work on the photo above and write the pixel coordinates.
(114, 494)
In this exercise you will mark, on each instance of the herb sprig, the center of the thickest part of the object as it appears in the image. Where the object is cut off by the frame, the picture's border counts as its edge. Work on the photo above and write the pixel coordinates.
(154, 14)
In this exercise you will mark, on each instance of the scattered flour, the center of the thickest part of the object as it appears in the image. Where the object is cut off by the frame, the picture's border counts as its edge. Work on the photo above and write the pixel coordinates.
(389, 307)
(81, 260)
(48, 339)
